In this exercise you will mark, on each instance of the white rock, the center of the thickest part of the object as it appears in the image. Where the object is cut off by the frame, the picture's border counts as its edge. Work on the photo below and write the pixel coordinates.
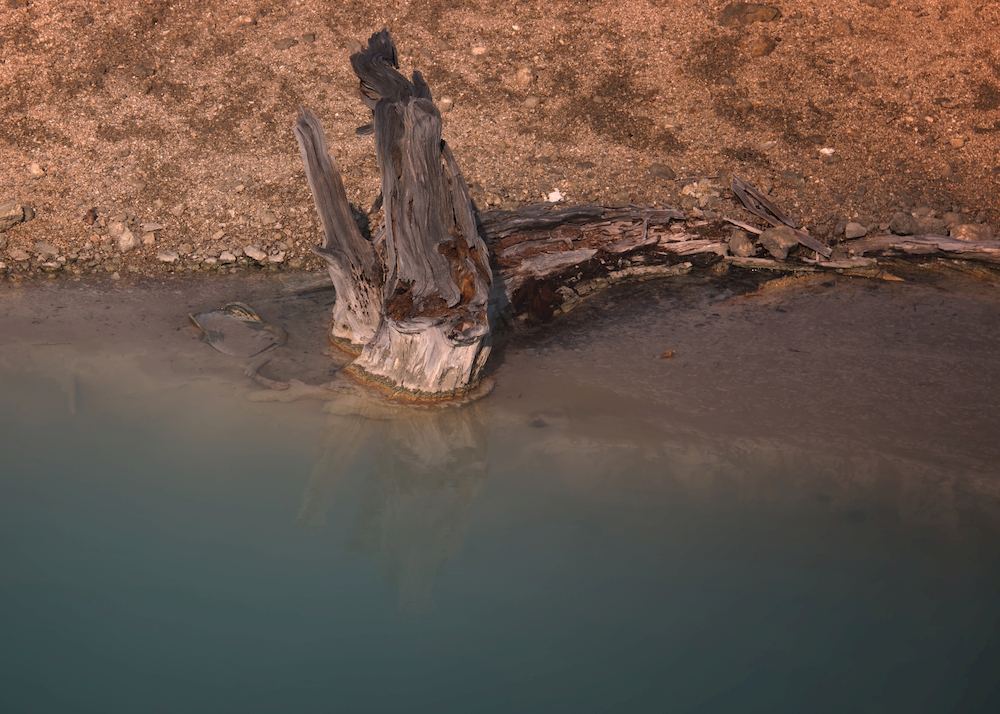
(168, 256)
(478, 50)
(127, 241)
(445, 104)
(972, 232)
(277, 257)
(227, 257)
(115, 229)
(254, 252)
(524, 76)
(36, 170)
(555, 196)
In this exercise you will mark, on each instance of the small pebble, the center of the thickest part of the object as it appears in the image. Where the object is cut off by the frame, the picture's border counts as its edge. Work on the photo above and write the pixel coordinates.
(46, 250)
(778, 241)
(35, 170)
(854, 230)
(286, 43)
(524, 76)
(478, 50)
(841, 27)
(662, 171)
(956, 142)
(763, 46)
(532, 102)
(254, 252)
(445, 104)
(11, 213)
(127, 241)
(740, 245)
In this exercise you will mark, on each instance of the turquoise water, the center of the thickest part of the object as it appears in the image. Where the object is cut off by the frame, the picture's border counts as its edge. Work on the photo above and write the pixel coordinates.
(736, 529)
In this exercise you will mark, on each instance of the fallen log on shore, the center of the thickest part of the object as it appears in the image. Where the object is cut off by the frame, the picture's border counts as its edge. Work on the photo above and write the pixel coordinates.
(419, 303)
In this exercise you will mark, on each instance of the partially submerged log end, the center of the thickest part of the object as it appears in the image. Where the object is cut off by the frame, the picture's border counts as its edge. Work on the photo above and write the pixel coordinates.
(470, 392)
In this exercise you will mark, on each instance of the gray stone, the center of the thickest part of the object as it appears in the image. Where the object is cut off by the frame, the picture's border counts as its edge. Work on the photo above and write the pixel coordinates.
(46, 250)
(127, 241)
(285, 44)
(276, 257)
(972, 232)
(445, 104)
(662, 171)
(952, 219)
(928, 225)
(778, 241)
(168, 256)
(854, 230)
(763, 46)
(793, 179)
(116, 228)
(740, 245)
(903, 224)
(177, 210)
(29, 213)
(148, 239)
(227, 257)
(151, 227)
(268, 218)
(11, 213)
(185, 248)
(19, 255)
(841, 27)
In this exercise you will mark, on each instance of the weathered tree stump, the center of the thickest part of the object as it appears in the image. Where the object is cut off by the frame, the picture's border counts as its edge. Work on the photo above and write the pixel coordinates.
(414, 303)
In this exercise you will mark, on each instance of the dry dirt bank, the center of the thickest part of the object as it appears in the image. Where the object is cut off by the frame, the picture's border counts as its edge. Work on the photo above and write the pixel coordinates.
(179, 114)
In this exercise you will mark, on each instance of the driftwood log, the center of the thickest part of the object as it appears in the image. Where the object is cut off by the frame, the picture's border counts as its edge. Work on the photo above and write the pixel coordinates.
(419, 303)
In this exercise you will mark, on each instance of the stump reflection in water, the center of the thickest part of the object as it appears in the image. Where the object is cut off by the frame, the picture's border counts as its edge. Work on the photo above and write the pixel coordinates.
(431, 465)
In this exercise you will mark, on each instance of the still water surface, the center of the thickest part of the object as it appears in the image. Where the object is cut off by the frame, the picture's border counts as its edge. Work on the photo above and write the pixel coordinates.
(799, 512)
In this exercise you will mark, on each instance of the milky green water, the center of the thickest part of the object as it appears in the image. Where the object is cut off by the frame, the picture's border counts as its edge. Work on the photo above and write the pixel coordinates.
(799, 512)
